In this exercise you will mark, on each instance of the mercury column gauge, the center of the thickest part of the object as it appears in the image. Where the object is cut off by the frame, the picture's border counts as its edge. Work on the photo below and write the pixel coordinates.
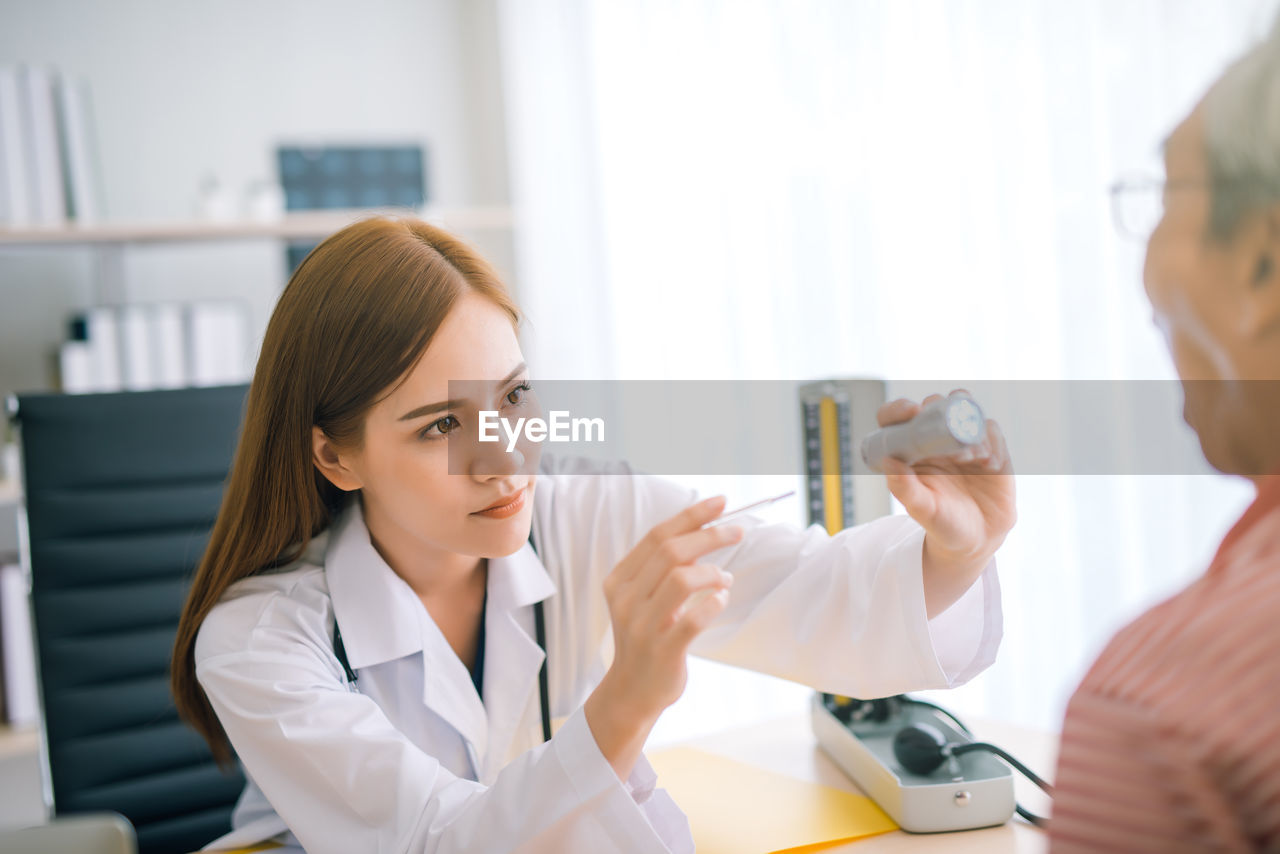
(940, 429)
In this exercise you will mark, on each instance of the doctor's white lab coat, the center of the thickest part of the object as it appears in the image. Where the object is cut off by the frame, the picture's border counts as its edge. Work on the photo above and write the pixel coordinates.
(411, 760)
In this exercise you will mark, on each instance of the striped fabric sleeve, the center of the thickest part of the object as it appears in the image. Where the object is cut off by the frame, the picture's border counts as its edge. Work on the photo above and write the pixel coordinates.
(1128, 782)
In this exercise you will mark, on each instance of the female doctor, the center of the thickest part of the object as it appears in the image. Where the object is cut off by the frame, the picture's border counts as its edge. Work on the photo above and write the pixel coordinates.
(362, 629)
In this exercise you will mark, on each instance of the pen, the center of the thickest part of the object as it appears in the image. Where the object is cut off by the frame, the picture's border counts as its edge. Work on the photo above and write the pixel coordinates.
(763, 502)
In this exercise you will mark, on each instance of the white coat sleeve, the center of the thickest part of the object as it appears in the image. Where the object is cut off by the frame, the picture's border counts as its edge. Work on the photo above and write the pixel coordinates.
(844, 614)
(343, 778)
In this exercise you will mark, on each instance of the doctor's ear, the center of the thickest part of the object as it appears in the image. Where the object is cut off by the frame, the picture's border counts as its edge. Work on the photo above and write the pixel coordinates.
(330, 462)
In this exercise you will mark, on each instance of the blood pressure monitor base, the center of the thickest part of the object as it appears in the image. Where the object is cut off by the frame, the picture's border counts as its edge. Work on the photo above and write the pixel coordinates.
(978, 794)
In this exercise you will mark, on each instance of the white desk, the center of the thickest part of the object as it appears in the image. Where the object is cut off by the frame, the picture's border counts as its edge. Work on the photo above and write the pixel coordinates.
(787, 746)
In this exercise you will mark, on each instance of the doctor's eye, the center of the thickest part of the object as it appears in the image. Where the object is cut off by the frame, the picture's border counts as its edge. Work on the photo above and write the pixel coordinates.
(516, 396)
(430, 431)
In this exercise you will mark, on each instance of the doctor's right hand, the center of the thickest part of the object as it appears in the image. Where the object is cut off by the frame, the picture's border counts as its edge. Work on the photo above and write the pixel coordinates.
(654, 622)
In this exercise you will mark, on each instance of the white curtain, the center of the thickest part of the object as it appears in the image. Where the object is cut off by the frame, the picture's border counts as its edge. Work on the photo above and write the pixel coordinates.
(911, 189)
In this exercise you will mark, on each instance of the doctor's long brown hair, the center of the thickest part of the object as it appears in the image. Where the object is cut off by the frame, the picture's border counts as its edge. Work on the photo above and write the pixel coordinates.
(355, 317)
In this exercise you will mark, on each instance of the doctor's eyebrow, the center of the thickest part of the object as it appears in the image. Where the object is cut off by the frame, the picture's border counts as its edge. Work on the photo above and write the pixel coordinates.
(454, 404)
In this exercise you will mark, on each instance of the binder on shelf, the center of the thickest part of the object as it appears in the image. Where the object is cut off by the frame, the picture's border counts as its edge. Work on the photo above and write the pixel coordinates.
(137, 346)
(218, 344)
(48, 203)
(77, 151)
(102, 327)
(15, 192)
(839, 489)
(169, 346)
(75, 367)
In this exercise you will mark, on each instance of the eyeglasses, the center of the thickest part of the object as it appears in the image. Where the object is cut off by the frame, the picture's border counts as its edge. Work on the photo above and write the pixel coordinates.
(1137, 204)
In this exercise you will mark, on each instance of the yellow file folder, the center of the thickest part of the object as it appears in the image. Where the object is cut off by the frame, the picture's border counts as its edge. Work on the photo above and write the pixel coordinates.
(735, 808)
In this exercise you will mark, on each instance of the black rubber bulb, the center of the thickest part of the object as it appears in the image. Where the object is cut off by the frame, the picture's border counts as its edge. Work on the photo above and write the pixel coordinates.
(918, 748)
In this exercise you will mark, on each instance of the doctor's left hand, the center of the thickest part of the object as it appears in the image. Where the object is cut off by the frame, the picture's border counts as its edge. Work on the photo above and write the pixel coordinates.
(965, 505)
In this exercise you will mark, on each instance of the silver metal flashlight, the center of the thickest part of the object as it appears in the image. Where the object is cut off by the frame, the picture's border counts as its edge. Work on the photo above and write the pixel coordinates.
(940, 429)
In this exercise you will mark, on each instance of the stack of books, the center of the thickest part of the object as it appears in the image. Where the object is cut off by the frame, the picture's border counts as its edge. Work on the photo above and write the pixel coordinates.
(161, 345)
(48, 165)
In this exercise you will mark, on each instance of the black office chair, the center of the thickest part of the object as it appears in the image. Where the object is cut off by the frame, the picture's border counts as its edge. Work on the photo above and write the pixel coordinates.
(121, 492)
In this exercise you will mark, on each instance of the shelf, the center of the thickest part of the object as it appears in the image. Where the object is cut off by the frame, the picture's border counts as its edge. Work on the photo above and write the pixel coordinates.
(297, 225)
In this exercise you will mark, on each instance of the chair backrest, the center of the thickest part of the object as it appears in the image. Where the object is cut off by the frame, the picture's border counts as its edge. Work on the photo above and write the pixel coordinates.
(121, 491)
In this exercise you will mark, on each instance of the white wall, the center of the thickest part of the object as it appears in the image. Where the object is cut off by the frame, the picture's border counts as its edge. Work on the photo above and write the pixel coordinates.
(183, 90)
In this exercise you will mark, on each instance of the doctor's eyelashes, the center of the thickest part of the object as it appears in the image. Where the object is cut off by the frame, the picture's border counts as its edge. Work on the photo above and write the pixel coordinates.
(524, 388)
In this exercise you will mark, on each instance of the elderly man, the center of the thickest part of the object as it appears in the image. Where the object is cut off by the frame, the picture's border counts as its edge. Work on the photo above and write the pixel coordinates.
(1172, 741)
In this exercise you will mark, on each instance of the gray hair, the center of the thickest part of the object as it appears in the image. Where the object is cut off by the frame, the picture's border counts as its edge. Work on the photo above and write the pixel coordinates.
(1242, 136)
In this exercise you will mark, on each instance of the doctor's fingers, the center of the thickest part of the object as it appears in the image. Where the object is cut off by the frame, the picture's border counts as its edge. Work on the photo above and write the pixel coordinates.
(664, 607)
(637, 578)
(689, 519)
(896, 411)
(902, 409)
(684, 549)
(697, 616)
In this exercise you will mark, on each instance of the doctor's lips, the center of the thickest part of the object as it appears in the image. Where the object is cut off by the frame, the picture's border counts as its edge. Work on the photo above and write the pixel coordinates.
(504, 507)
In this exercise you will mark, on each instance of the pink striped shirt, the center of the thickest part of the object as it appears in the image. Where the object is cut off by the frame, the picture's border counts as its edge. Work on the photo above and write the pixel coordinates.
(1172, 741)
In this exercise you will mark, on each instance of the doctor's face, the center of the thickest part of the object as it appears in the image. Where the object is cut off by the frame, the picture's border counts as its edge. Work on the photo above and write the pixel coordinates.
(412, 501)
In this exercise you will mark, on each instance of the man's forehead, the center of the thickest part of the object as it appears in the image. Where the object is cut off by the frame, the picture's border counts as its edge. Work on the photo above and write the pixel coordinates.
(1184, 147)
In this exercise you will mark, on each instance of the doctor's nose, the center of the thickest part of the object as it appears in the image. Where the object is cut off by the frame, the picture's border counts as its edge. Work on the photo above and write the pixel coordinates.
(493, 460)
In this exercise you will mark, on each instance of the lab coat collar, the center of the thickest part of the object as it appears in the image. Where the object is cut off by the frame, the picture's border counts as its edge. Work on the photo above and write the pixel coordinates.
(382, 619)
(512, 658)
(517, 580)
(376, 609)
(372, 604)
